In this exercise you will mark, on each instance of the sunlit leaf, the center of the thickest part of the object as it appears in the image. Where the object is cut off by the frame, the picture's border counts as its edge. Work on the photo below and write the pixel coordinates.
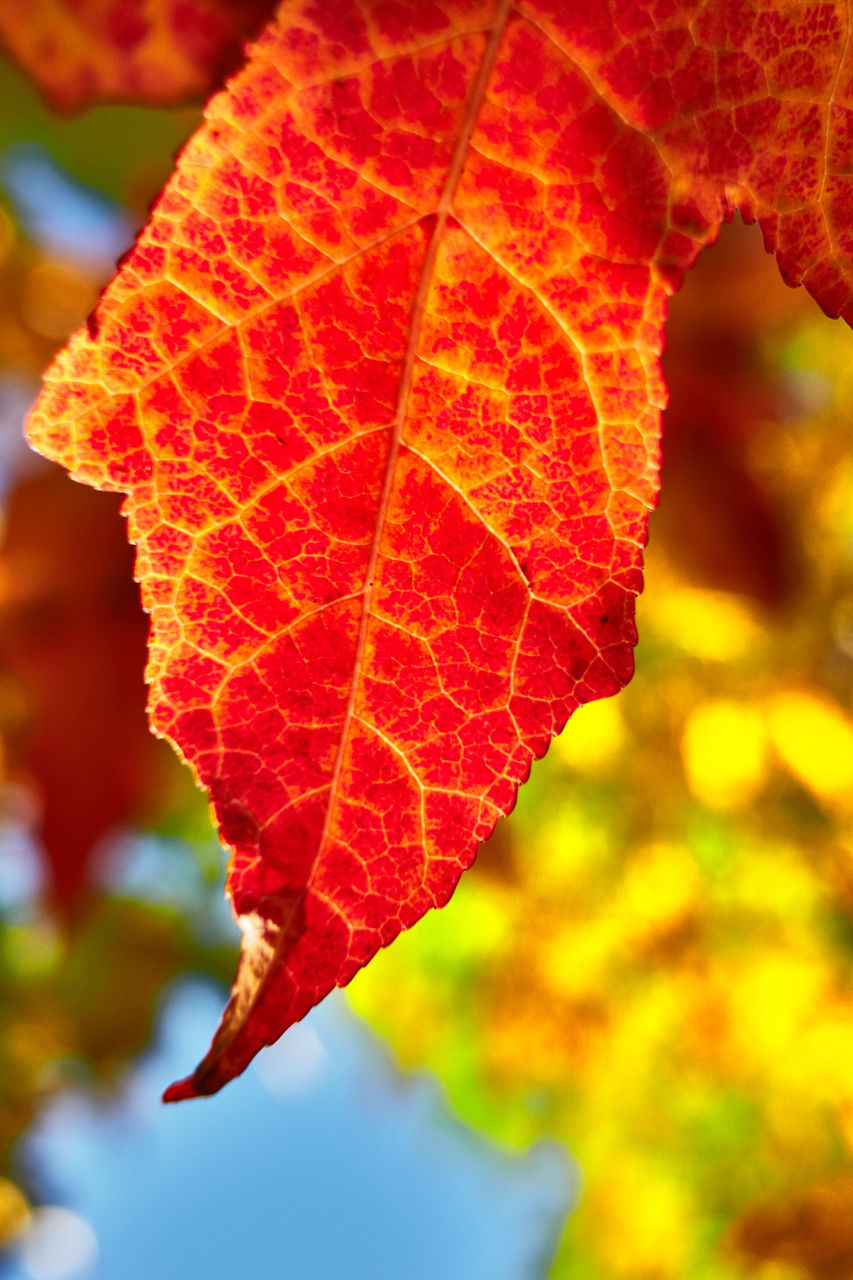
(381, 382)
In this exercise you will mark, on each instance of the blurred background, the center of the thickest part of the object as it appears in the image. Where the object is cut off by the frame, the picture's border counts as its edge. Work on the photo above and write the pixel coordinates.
(624, 1051)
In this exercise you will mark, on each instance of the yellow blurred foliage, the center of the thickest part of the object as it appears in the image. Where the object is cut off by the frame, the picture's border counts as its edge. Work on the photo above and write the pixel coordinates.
(597, 740)
(725, 753)
(14, 1210)
(707, 624)
(815, 741)
(643, 1219)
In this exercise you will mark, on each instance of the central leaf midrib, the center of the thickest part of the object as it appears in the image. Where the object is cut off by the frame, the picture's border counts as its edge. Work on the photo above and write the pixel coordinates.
(441, 214)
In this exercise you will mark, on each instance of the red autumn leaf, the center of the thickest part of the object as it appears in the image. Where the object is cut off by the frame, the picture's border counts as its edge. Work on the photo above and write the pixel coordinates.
(381, 382)
(720, 515)
(157, 51)
(72, 644)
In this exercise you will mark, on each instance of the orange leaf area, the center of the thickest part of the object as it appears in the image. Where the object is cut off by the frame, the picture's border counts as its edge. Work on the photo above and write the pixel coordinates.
(156, 51)
(381, 382)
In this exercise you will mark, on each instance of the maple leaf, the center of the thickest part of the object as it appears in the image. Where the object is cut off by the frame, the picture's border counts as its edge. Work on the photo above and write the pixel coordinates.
(381, 382)
(158, 51)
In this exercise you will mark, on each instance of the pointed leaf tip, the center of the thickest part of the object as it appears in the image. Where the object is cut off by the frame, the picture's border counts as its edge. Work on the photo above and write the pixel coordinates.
(181, 1090)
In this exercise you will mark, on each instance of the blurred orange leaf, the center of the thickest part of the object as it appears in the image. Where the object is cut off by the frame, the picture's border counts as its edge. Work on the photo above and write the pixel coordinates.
(157, 51)
(72, 652)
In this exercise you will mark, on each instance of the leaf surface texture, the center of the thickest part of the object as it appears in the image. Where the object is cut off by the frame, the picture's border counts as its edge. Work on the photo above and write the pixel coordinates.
(381, 382)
